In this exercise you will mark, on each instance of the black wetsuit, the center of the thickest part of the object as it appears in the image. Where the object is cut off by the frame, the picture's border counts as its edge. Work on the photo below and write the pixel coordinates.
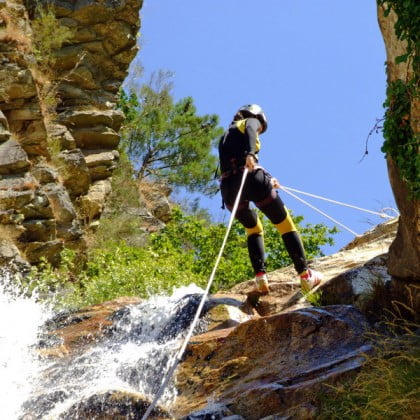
(239, 141)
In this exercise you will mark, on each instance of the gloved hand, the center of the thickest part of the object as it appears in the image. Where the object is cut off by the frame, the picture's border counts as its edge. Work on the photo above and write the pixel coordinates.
(274, 183)
(250, 163)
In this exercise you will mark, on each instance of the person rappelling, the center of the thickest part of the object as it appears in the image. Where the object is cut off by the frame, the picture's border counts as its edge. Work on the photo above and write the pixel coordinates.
(238, 149)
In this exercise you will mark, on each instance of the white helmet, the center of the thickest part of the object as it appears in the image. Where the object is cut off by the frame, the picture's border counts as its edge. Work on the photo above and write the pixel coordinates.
(252, 110)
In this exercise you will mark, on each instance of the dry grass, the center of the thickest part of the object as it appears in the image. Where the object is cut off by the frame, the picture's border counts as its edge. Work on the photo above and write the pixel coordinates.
(388, 385)
(12, 32)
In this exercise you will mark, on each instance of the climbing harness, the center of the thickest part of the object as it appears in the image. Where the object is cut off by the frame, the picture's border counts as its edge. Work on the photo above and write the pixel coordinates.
(289, 190)
(181, 351)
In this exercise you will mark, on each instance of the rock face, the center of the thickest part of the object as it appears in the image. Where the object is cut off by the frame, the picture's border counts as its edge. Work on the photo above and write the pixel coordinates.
(56, 158)
(404, 255)
(245, 362)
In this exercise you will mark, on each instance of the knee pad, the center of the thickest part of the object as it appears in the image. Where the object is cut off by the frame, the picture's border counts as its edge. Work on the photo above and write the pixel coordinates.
(257, 229)
(286, 225)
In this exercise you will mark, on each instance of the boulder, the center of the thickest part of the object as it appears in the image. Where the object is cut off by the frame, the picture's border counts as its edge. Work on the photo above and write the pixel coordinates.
(268, 365)
(10, 258)
(38, 208)
(60, 138)
(13, 158)
(74, 172)
(154, 197)
(17, 81)
(92, 204)
(60, 202)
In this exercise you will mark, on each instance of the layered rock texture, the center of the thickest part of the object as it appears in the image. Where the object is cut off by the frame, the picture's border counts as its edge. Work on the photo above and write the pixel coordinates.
(58, 123)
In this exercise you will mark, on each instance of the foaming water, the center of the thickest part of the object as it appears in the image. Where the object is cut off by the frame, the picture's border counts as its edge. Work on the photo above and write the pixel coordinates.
(133, 358)
(20, 320)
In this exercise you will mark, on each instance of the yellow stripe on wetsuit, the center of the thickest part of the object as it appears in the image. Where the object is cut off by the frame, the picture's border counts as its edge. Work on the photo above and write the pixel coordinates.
(257, 229)
(286, 225)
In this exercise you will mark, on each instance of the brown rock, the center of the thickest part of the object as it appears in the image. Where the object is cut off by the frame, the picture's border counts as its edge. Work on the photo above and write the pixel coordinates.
(36, 251)
(267, 366)
(101, 163)
(92, 204)
(13, 158)
(60, 202)
(89, 118)
(74, 172)
(10, 199)
(96, 137)
(39, 230)
(44, 173)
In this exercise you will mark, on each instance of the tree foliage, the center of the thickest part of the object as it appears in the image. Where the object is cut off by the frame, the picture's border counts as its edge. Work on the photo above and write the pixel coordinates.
(197, 242)
(167, 140)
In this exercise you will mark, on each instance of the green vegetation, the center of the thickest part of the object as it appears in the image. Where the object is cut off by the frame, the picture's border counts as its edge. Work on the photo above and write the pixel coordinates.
(196, 243)
(401, 144)
(48, 35)
(167, 140)
(183, 252)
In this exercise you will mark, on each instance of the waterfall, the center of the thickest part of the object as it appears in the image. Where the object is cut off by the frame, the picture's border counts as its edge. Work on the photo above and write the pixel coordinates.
(20, 319)
(133, 358)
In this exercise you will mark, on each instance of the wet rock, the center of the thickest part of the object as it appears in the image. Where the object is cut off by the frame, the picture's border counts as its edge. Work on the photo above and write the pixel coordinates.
(266, 366)
(113, 405)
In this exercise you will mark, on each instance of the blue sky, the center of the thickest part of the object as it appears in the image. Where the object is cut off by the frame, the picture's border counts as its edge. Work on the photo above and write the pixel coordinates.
(317, 69)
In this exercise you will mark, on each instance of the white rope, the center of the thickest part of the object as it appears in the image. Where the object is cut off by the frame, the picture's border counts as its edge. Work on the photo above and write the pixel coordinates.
(285, 189)
(382, 214)
(200, 306)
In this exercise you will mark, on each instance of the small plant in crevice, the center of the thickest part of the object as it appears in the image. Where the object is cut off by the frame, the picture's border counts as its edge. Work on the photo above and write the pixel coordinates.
(314, 297)
(48, 35)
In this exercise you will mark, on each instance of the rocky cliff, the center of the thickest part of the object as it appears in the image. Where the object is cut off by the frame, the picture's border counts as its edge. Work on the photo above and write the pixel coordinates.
(404, 256)
(58, 122)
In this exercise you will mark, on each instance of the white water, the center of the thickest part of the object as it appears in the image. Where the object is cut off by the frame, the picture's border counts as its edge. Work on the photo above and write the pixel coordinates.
(134, 359)
(20, 319)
